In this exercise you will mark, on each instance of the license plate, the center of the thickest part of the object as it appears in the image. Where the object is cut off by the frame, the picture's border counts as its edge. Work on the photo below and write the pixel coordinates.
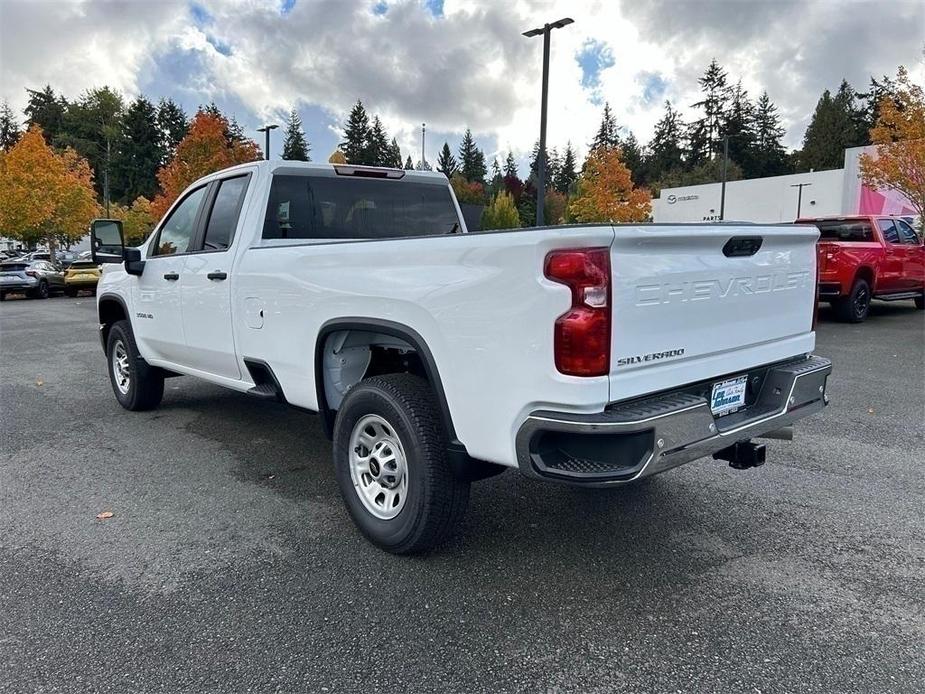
(728, 396)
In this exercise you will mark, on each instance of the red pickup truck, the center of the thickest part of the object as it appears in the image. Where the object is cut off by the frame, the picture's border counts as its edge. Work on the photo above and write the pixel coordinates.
(868, 257)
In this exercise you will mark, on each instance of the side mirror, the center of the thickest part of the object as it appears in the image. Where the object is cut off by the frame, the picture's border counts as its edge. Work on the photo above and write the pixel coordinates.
(106, 241)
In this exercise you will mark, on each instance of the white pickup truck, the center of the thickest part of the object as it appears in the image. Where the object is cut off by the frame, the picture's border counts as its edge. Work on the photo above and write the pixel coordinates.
(593, 355)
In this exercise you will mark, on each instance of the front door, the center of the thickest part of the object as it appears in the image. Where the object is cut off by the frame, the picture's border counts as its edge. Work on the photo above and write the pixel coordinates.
(205, 284)
(158, 319)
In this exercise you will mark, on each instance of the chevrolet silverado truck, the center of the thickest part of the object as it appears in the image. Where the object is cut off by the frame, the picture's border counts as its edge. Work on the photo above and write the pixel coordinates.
(591, 355)
(868, 257)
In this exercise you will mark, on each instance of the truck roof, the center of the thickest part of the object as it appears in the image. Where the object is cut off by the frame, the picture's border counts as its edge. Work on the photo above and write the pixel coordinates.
(326, 168)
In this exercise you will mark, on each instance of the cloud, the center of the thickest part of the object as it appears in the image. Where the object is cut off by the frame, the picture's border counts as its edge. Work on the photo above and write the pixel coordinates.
(454, 63)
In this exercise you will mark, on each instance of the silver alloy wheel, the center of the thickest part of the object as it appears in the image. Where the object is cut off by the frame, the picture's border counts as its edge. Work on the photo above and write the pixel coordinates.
(120, 367)
(378, 467)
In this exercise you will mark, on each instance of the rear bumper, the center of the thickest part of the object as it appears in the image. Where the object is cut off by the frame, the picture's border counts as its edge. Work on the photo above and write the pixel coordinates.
(81, 283)
(829, 290)
(19, 286)
(631, 441)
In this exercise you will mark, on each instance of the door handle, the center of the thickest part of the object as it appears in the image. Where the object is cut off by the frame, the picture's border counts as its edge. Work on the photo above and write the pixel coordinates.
(217, 275)
(171, 276)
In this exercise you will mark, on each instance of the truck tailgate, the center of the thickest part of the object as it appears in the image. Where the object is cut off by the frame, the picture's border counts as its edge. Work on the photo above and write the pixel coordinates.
(692, 303)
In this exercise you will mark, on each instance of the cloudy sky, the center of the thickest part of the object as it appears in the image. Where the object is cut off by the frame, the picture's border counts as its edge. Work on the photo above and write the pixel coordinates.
(454, 63)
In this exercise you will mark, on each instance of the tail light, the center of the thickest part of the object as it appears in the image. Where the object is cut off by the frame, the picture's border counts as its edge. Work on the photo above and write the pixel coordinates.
(32, 273)
(582, 334)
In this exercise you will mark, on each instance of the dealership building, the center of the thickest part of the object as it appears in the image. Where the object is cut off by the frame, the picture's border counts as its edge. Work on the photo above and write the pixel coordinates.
(782, 198)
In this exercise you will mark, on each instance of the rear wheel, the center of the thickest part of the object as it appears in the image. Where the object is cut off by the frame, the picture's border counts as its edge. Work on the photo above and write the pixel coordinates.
(920, 302)
(2, 296)
(854, 307)
(42, 291)
(391, 465)
(136, 384)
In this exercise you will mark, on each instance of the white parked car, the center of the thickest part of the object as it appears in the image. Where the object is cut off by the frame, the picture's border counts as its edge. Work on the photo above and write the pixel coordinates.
(593, 355)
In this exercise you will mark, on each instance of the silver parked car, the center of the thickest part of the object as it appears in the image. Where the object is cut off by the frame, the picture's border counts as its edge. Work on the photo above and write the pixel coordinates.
(38, 279)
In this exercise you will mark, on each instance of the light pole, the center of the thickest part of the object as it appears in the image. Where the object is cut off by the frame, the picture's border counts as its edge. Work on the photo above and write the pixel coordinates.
(800, 187)
(423, 157)
(545, 30)
(722, 194)
(266, 129)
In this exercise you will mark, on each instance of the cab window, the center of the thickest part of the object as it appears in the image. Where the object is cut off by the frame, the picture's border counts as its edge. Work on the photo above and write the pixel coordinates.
(179, 228)
(907, 233)
(224, 215)
(888, 229)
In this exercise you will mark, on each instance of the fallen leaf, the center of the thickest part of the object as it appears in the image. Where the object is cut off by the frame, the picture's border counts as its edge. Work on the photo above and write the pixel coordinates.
(104, 515)
(40, 382)
(870, 411)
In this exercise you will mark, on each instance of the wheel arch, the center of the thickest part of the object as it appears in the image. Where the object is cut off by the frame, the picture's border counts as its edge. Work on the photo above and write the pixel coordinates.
(110, 308)
(866, 273)
(385, 327)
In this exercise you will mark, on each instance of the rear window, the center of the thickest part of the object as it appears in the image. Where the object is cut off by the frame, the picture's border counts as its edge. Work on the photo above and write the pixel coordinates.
(324, 207)
(78, 264)
(846, 230)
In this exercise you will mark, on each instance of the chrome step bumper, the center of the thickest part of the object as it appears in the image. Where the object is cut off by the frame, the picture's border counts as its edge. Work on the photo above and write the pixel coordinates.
(630, 441)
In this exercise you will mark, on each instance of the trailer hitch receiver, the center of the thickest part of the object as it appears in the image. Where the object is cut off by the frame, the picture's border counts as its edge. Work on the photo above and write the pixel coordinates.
(743, 455)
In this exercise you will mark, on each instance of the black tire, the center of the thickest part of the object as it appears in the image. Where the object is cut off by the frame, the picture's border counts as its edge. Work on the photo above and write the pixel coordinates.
(854, 307)
(435, 499)
(920, 302)
(42, 291)
(70, 291)
(2, 296)
(145, 386)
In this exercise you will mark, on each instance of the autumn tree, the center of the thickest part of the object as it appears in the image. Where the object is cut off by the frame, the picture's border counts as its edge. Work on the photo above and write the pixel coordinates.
(606, 192)
(138, 220)
(47, 197)
(501, 213)
(899, 135)
(467, 192)
(206, 148)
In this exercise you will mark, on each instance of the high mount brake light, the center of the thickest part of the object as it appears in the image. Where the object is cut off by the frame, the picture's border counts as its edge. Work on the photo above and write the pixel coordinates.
(582, 334)
(367, 171)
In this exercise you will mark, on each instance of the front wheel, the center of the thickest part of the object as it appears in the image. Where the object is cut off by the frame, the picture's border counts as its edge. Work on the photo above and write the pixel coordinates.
(42, 291)
(136, 384)
(854, 307)
(391, 465)
(920, 302)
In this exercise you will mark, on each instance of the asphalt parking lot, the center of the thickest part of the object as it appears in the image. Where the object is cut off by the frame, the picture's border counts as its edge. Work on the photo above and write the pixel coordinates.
(231, 565)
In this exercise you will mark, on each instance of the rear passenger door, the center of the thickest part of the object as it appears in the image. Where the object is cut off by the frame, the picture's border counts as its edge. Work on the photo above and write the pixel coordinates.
(890, 274)
(205, 281)
(914, 263)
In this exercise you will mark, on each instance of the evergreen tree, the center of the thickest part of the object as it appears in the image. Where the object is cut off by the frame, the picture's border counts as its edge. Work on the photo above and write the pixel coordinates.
(378, 151)
(173, 124)
(739, 126)
(92, 126)
(295, 146)
(46, 109)
(356, 135)
(551, 164)
(394, 160)
(706, 134)
(633, 159)
(9, 127)
(770, 158)
(510, 165)
(497, 180)
(236, 131)
(870, 111)
(567, 174)
(833, 128)
(409, 165)
(608, 134)
(666, 145)
(139, 152)
(471, 160)
(446, 162)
